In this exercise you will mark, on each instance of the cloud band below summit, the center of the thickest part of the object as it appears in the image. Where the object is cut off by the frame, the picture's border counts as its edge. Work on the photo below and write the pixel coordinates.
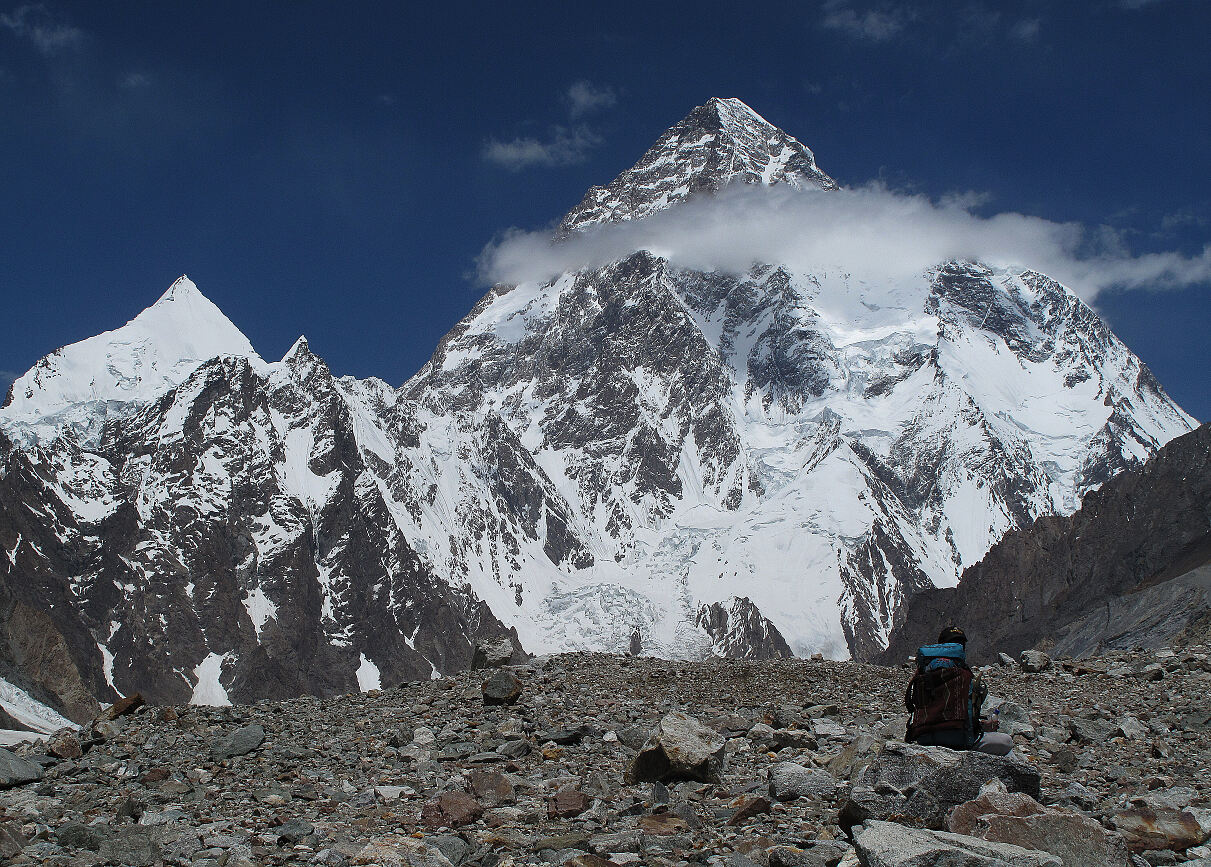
(869, 232)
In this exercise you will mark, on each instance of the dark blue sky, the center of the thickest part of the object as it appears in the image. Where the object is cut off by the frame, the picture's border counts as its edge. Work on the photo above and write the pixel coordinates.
(334, 169)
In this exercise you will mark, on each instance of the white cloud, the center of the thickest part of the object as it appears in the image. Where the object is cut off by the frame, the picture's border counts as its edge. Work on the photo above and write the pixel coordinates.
(876, 25)
(564, 147)
(584, 97)
(39, 25)
(1137, 4)
(870, 232)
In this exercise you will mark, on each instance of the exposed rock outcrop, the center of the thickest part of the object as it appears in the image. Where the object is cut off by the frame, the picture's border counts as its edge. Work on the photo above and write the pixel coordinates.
(1128, 569)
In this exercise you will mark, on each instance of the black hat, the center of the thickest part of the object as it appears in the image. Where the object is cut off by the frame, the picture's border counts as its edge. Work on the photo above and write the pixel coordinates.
(952, 635)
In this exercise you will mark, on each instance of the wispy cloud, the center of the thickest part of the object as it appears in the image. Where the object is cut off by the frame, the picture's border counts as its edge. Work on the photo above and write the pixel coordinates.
(564, 144)
(1138, 4)
(877, 24)
(564, 147)
(584, 97)
(48, 31)
(134, 81)
(1026, 30)
(871, 232)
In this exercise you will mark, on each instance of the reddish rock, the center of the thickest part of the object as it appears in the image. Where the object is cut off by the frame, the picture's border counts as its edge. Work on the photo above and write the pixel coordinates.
(1012, 817)
(750, 806)
(663, 824)
(568, 803)
(65, 744)
(590, 861)
(1149, 827)
(451, 810)
(492, 788)
(154, 775)
(123, 706)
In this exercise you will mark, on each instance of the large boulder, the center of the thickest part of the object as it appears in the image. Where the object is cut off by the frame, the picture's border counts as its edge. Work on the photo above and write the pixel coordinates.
(1012, 817)
(501, 688)
(1034, 661)
(451, 810)
(492, 653)
(791, 780)
(920, 785)
(14, 770)
(681, 748)
(1154, 826)
(240, 742)
(886, 844)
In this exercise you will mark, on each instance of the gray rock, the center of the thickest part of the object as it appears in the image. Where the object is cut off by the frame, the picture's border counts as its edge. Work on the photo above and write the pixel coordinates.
(617, 841)
(501, 688)
(885, 844)
(240, 742)
(790, 780)
(1175, 797)
(76, 836)
(134, 846)
(1091, 730)
(492, 653)
(1078, 796)
(681, 748)
(16, 771)
(822, 853)
(514, 749)
(1014, 719)
(1034, 661)
(633, 737)
(1006, 660)
(922, 784)
(762, 737)
(455, 848)
(1130, 728)
(294, 830)
(400, 851)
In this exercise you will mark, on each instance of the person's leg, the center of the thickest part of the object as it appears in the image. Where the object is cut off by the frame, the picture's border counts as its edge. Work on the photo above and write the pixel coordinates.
(994, 743)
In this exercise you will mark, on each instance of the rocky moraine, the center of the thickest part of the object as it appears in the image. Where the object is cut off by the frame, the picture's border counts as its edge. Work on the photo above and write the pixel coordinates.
(590, 759)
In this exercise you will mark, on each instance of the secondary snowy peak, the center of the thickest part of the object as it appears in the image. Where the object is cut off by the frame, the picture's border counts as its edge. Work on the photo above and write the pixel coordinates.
(714, 145)
(148, 356)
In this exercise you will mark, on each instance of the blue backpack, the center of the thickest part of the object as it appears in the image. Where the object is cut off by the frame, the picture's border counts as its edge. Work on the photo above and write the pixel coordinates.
(939, 697)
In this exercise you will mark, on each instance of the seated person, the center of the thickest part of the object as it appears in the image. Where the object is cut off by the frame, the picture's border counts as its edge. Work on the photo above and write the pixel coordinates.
(944, 698)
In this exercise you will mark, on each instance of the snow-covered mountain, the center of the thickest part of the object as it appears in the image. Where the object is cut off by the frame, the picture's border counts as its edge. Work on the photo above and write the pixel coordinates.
(636, 457)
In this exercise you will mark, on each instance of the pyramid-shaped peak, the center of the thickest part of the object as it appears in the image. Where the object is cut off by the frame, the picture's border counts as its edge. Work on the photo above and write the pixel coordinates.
(182, 289)
(146, 357)
(720, 142)
(734, 111)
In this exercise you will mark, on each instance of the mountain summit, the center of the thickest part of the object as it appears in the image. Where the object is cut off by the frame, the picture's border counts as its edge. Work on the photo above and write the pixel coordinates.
(154, 352)
(636, 457)
(718, 143)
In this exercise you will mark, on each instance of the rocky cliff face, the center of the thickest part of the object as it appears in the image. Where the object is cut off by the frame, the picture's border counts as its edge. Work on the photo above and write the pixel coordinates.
(1128, 569)
(224, 541)
(603, 460)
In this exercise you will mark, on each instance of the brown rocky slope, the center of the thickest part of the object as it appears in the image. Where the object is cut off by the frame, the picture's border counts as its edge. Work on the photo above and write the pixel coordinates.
(1128, 569)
